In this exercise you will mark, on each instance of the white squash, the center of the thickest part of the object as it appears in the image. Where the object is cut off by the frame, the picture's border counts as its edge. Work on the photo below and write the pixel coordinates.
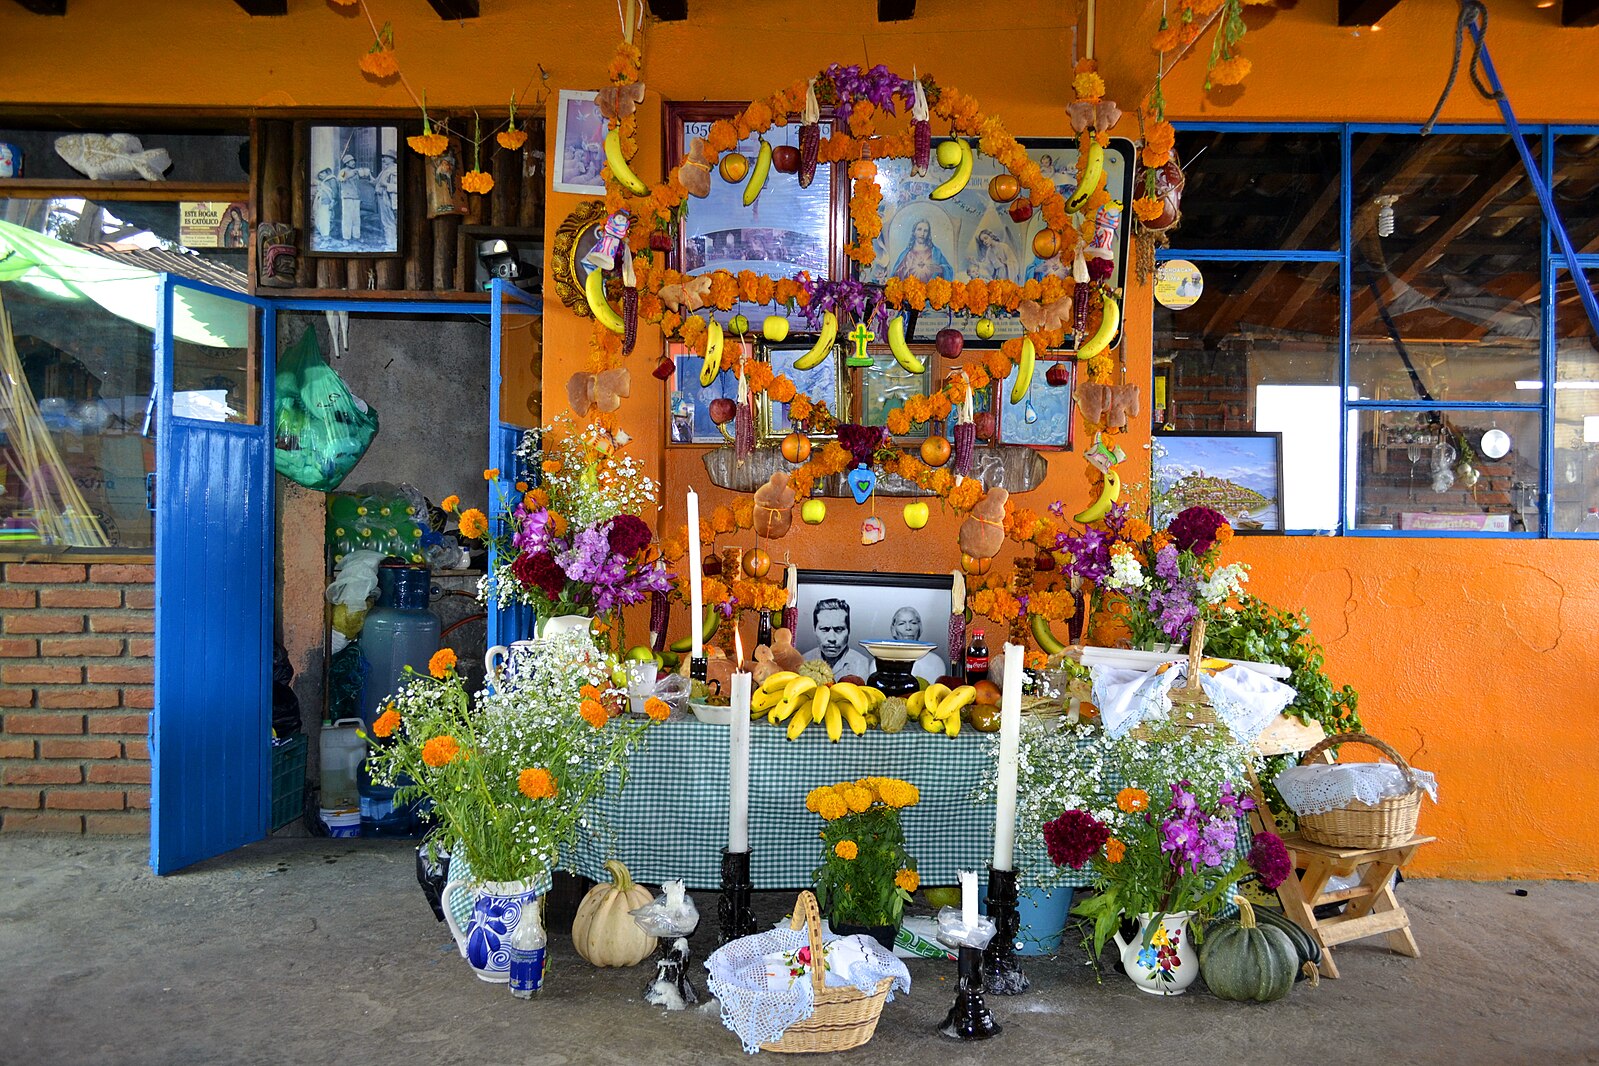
(603, 932)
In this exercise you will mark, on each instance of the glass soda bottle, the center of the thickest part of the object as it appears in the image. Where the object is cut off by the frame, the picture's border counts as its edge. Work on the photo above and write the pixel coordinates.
(977, 658)
(527, 954)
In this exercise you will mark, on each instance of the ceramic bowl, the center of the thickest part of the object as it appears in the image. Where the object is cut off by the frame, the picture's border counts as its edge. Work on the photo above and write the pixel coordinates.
(897, 651)
(711, 714)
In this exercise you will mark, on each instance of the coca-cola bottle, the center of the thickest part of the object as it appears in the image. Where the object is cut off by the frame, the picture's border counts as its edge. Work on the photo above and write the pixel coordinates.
(977, 658)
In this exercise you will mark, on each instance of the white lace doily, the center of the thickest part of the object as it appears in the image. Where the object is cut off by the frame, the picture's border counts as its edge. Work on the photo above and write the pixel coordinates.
(1322, 787)
(1244, 701)
(763, 982)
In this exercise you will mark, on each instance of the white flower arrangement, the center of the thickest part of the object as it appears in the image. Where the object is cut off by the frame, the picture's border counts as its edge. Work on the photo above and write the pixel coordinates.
(1226, 583)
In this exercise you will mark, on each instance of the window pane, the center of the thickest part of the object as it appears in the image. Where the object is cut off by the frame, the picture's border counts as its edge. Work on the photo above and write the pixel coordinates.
(1577, 188)
(1259, 191)
(1434, 470)
(1447, 306)
(74, 389)
(213, 374)
(1576, 472)
(141, 224)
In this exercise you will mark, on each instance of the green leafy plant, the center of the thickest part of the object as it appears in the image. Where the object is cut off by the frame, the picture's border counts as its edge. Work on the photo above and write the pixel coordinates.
(866, 875)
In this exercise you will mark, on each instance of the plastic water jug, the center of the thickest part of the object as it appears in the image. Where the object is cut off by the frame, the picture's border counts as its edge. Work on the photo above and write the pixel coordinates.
(343, 751)
(399, 632)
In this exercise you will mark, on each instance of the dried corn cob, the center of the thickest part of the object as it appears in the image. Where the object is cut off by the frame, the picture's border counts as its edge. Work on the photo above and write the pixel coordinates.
(922, 154)
(810, 140)
(629, 319)
(1082, 302)
(660, 608)
(965, 445)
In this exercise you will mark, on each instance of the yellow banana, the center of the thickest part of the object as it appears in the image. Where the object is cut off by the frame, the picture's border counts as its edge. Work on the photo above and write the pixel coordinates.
(1024, 371)
(800, 683)
(763, 165)
(1092, 172)
(824, 343)
(1110, 320)
(932, 697)
(950, 708)
(778, 681)
(932, 724)
(1044, 636)
(962, 175)
(820, 707)
(874, 697)
(1109, 493)
(619, 166)
(800, 721)
(915, 703)
(713, 353)
(902, 352)
(857, 721)
(852, 693)
(792, 697)
(834, 720)
(594, 292)
(952, 725)
(766, 699)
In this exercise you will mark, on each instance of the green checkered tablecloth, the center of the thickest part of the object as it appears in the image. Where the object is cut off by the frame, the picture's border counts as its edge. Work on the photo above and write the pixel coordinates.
(671, 819)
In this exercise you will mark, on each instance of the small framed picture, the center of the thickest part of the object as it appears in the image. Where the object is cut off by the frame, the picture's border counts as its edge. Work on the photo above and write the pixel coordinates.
(823, 383)
(580, 140)
(887, 385)
(1042, 419)
(354, 184)
(1238, 474)
(689, 402)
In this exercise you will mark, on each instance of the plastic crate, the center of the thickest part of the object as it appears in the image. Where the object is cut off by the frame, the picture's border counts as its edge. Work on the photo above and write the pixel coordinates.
(288, 780)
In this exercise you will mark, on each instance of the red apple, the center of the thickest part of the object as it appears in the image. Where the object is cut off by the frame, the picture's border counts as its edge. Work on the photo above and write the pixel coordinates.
(986, 423)
(1021, 209)
(785, 159)
(853, 679)
(660, 241)
(950, 681)
(1058, 375)
(949, 342)
(664, 368)
(723, 410)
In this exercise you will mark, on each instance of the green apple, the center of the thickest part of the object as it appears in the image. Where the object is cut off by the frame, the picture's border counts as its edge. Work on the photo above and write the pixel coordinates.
(916, 514)
(641, 653)
(775, 328)
(738, 324)
(985, 328)
(949, 154)
(813, 512)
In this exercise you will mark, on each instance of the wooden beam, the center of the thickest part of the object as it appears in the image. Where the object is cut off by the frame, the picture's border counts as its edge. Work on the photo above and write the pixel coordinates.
(669, 10)
(1579, 13)
(259, 8)
(45, 7)
(1364, 12)
(896, 10)
(451, 10)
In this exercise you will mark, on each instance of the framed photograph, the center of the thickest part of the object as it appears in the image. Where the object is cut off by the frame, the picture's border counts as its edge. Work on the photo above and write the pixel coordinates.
(970, 236)
(445, 195)
(354, 182)
(1238, 474)
(822, 382)
(580, 141)
(689, 403)
(840, 608)
(787, 230)
(888, 385)
(1043, 418)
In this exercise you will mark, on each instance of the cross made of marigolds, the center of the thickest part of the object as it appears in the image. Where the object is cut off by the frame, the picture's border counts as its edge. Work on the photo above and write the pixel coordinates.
(862, 337)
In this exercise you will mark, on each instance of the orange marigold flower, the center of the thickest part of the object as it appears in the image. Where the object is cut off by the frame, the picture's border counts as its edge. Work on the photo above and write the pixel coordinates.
(477, 181)
(1137, 529)
(1036, 660)
(1132, 800)
(491, 473)
(440, 751)
(909, 880)
(657, 708)
(593, 713)
(443, 662)
(536, 784)
(1088, 86)
(1148, 208)
(1230, 71)
(1224, 533)
(1115, 850)
(511, 139)
(846, 850)
(450, 504)
(387, 723)
(380, 63)
(473, 523)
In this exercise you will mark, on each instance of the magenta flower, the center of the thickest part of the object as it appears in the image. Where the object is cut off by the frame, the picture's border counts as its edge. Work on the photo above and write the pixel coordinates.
(1074, 838)
(1194, 529)
(1269, 858)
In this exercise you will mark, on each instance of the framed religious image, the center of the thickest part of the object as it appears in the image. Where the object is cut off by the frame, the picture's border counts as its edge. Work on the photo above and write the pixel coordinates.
(579, 144)
(1042, 418)
(838, 609)
(970, 236)
(786, 230)
(688, 403)
(823, 383)
(445, 195)
(354, 185)
(1238, 474)
(886, 386)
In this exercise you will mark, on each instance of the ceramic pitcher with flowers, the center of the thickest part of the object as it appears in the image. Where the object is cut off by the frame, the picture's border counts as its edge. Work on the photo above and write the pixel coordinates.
(497, 909)
(1162, 962)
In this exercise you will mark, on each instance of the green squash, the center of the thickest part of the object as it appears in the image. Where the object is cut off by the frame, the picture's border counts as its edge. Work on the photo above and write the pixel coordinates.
(1304, 943)
(1245, 961)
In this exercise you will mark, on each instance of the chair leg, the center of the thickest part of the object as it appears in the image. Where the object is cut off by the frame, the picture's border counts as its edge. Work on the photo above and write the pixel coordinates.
(1399, 940)
(1297, 894)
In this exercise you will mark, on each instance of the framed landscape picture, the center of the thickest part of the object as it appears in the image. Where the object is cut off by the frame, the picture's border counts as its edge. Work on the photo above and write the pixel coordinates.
(1238, 474)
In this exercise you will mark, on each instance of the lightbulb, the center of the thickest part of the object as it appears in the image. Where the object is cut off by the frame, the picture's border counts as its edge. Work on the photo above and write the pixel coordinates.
(1385, 215)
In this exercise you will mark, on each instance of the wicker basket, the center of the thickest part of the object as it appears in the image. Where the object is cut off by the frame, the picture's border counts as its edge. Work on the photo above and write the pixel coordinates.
(1190, 706)
(844, 1017)
(1361, 825)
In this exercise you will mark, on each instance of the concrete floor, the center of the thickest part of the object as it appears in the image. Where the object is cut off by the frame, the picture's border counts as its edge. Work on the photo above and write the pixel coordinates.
(321, 951)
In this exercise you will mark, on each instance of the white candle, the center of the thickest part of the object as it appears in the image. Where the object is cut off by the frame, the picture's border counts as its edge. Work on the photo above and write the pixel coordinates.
(738, 765)
(696, 604)
(1010, 738)
(969, 899)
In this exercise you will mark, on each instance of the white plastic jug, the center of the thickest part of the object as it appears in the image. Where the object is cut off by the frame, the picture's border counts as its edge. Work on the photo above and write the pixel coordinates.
(343, 751)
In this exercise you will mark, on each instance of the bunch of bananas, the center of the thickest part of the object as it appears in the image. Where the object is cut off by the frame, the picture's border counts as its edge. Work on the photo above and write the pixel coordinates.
(798, 700)
(938, 707)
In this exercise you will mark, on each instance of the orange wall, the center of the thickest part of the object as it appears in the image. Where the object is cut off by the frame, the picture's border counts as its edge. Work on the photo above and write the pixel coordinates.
(1479, 657)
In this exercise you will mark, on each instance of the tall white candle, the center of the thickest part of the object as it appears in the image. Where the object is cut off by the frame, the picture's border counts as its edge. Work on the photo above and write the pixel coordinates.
(696, 603)
(1010, 739)
(969, 899)
(738, 762)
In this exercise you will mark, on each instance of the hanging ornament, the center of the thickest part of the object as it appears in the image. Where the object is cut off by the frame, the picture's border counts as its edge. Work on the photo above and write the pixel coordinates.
(873, 531)
(862, 480)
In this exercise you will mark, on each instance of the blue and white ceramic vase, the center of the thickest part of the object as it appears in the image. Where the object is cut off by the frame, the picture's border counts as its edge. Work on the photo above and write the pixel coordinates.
(497, 908)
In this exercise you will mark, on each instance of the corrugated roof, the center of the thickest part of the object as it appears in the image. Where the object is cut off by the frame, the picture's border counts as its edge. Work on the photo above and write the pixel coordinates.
(182, 264)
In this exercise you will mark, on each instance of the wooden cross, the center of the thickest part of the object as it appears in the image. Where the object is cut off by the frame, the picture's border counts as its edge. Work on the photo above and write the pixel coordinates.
(862, 337)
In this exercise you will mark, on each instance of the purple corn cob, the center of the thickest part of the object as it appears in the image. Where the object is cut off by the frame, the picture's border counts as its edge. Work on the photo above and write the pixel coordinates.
(957, 636)
(1082, 296)
(791, 618)
(744, 431)
(629, 319)
(922, 156)
(965, 444)
(660, 609)
(810, 146)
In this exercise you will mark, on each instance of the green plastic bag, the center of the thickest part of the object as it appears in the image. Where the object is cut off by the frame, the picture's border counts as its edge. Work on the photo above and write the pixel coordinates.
(322, 427)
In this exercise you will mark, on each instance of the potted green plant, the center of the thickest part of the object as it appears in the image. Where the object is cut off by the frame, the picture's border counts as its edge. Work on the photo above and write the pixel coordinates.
(866, 875)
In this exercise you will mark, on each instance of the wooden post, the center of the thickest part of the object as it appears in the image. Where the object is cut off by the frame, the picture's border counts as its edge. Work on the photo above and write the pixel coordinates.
(445, 231)
(504, 200)
(418, 233)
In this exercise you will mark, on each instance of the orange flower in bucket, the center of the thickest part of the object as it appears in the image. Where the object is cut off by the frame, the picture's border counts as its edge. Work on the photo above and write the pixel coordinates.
(440, 751)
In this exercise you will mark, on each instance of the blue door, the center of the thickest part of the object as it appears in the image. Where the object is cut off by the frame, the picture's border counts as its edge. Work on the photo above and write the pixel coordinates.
(515, 373)
(210, 748)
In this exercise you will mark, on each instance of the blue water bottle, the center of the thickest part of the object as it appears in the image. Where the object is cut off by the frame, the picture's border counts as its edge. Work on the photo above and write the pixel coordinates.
(527, 954)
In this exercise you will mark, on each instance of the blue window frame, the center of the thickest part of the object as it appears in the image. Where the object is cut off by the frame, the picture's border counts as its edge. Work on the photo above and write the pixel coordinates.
(1548, 488)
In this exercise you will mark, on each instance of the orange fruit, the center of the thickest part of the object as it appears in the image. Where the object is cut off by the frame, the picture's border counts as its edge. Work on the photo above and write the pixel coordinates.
(987, 692)
(733, 167)
(1046, 243)
(796, 447)
(973, 565)
(757, 563)
(1004, 188)
(985, 717)
(935, 450)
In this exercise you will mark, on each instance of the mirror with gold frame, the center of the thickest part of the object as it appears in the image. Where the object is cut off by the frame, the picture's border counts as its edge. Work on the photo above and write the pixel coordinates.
(574, 239)
(824, 381)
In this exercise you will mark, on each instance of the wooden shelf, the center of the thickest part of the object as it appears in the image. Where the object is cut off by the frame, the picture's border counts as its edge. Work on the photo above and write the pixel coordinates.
(395, 296)
(123, 190)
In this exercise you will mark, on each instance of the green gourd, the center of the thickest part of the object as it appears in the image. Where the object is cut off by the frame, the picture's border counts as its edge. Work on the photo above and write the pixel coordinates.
(1304, 943)
(1245, 961)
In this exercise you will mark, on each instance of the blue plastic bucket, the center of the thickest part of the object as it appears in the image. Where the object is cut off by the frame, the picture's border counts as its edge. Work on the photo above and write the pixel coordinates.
(341, 823)
(1042, 915)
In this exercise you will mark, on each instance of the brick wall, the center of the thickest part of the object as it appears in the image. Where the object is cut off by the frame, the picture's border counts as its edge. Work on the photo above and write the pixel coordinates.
(76, 691)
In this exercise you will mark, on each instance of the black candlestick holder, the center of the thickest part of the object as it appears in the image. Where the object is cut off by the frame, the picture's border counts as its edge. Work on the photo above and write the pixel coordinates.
(969, 1018)
(1003, 975)
(699, 668)
(733, 910)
